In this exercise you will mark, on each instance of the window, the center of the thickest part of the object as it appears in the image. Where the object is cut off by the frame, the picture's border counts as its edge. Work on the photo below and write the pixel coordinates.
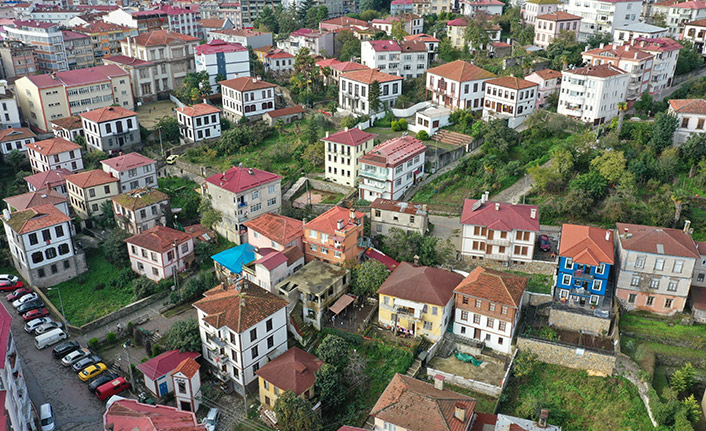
(650, 301)
(50, 253)
(632, 297)
(640, 262)
(63, 249)
(254, 368)
(428, 326)
(254, 352)
(600, 269)
(491, 307)
(91, 193)
(500, 340)
(33, 238)
(490, 323)
(390, 427)
(504, 310)
(464, 315)
(502, 325)
(476, 319)
(464, 300)
(270, 342)
(46, 235)
(477, 303)
(181, 386)
(654, 283)
(668, 303)
(566, 279)
(635, 280)
(106, 189)
(253, 334)
(569, 264)
(678, 266)
(155, 271)
(37, 257)
(672, 286)
(434, 311)
(659, 264)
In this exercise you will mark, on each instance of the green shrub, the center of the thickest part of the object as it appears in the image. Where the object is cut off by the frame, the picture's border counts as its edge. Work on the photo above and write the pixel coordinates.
(93, 343)
(111, 337)
(422, 135)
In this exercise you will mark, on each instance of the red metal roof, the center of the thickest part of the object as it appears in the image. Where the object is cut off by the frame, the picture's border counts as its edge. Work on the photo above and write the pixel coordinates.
(501, 216)
(394, 151)
(386, 260)
(237, 179)
(78, 77)
(217, 45)
(165, 363)
(159, 239)
(127, 161)
(129, 415)
(352, 137)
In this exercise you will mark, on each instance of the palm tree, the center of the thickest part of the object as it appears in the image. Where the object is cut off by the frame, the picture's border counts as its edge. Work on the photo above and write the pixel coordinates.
(678, 197)
(622, 107)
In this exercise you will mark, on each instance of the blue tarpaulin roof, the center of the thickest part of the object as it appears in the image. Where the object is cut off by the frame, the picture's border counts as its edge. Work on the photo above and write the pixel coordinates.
(235, 258)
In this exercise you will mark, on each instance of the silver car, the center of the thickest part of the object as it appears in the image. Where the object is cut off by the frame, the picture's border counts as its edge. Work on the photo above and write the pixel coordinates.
(34, 323)
(44, 327)
(75, 356)
(9, 277)
(28, 297)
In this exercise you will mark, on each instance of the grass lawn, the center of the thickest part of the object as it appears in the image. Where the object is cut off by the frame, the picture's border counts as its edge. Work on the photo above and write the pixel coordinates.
(484, 403)
(383, 361)
(539, 283)
(183, 195)
(384, 133)
(663, 329)
(576, 401)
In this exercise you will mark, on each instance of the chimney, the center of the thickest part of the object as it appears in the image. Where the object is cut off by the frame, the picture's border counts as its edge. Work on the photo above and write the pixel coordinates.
(497, 206)
(339, 224)
(424, 207)
(303, 221)
(460, 412)
(346, 129)
(484, 199)
(543, 416)
(607, 235)
(6, 214)
(533, 213)
(627, 48)
(416, 260)
(250, 172)
(602, 45)
(439, 382)
(687, 225)
(352, 214)
(327, 133)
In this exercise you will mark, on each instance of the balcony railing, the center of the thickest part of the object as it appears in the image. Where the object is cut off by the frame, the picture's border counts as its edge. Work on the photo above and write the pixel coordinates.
(374, 174)
(498, 241)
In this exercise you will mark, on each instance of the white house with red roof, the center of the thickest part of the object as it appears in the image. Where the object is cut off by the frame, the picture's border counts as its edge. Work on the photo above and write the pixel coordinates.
(636, 62)
(603, 16)
(337, 68)
(88, 190)
(607, 85)
(68, 128)
(342, 151)
(158, 371)
(456, 29)
(318, 42)
(15, 139)
(412, 23)
(54, 153)
(677, 14)
(159, 252)
(133, 170)
(458, 85)
(199, 122)
(340, 23)
(430, 41)
(272, 266)
(187, 385)
(666, 53)
(532, 8)
(34, 199)
(549, 82)
(249, 97)
(510, 98)
(224, 59)
(146, 79)
(391, 168)
(111, 129)
(695, 32)
(691, 116)
(122, 413)
(472, 7)
(278, 61)
(498, 230)
(381, 54)
(354, 91)
(242, 194)
(54, 179)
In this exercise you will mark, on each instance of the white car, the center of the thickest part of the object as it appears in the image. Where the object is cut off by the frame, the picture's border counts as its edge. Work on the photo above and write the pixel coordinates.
(9, 277)
(211, 419)
(34, 323)
(26, 298)
(75, 356)
(44, 327)
(46, 417)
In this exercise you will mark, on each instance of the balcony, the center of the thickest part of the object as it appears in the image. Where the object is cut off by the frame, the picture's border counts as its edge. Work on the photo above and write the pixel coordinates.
(583, 275)
(213, 339)
(493, 256)
(374, 174)
(407, 314)
(374, 187)
(498, 241)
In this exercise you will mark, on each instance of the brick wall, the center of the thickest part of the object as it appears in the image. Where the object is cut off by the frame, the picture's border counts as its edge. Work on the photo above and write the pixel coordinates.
(568, 356)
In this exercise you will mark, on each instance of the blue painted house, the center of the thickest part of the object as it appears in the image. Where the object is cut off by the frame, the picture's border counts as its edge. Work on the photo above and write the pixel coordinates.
(586, 257)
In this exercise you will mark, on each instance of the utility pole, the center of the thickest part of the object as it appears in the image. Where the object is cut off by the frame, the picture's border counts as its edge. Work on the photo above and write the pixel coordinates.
(176, 267)
(61, 301)
(129, 364)
(160, 142)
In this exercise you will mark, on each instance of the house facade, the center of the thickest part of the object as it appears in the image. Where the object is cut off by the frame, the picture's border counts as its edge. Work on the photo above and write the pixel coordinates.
(386, 214)
(220, 58)
(317, 42)
(550, 25)
(139, 210)
(691, 117)
(391, 168)
(666, 54)
(133, 170)
(637, 63)
(275, 231)
(68, 128)
(111, 130)
(677, 14)
(18, 412)
(199, 122)
(294, 370)
(509, 98)
(354, 91)
(160, 252)
(249, 97)
(15, 139)
(532, 8)
(592, 94)
(47, 40)
(88, 191)
(603, 16)
(627, 34)
(54, 153)
(271, 267)
(458, 85)
(187, 385)
(342, 151)
(549, 82)
(333, 237)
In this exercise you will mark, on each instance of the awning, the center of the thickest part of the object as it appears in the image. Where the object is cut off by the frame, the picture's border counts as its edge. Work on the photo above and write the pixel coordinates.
(343, 302)
(389, 262)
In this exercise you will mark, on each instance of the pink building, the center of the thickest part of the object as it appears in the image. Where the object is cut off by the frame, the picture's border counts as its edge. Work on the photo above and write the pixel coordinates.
(158, 252)
(549, 25)
(549, 82)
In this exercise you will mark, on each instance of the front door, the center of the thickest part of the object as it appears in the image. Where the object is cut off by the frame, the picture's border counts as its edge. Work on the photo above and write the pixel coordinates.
(163, 389)
(186, 406)
(476, 333)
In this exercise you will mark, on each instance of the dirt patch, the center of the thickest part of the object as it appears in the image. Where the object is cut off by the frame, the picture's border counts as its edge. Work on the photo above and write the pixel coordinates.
(491, 371)
(148, 115)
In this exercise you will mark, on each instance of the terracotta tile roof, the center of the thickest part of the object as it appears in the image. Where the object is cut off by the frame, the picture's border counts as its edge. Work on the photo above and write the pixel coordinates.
(698, 297)
(351, 137)
(129, 415)
(386, 260)
(484, 419)
(15, 133)
(188, 367)
(36, 218)
(586, 245)
(50, 178)
(348, 66)
(140, 198)
(623, 52)
(548, 74)
(92, 178)
(278, 53)
(421, 36)
(239, 32)
(212, 23)
(413, 46)
(682, 4)
(495, 286)
(501, 216)
(328, 62)
(370, 76)
(52, 146)
(511, 82)
(162, 37)
(128, 61)
(69, 123)
(418, 406)
(701, 247)
(327, 222)
(600, 71)
(423, 284)
(344, 21)
(246, 84)
(656, 240)
(237, 179)
(269, 258)
(698, 23)
(290, 110)
(240, 309)
(659, 44)
(458, 22)
(35, 199)
(159, 239)
(293, 370)
(277, 228)
(165, 363)
(101, 27)
(127, 161)
(72, 35)
(688, 106)
(108, 113)
(461, 71)
(500, 45)
(198, 110)
(199, 233)
(293, 254)
(393, 152)
(558, 16)
(398, 206)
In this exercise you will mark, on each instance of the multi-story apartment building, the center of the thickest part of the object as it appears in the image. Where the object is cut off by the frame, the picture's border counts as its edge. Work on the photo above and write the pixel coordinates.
(626, 34)
(251, 11)
(133, 170)
(411, 23)
(111, 130)
(695, 32)
(318, 42)
(354, 91)
(9, 112)
(691, 116)
(592, 94)
(242, 328)
(474, 7)
(184, 21)
(15, 139)
(343, 149)
(40, 243)
(457, 29)
(654, 267)
(44, 98)
(458, 85)
(250, 38)
(88, 191)
(146, 80)
(510, 98)
(430, 41)
(498, 231)
(242, 194)
(679, 14)
(247, 97)
(79, 49)
(141, 209)
(636, 62)
(47, 40)
(418, 300)
(232, 12)
(549, 82)
(17, 59)
(381, 54)
(18, 406)
(386, 214)
(199, 122)
(401, 7)
(54, 153)
(160, 252)
(142, 21)
(219, 58)
(391, 168)
(666, 53)
(334, 236)
(105, 37)
(532, 8)
(603, 16)
(550, 25)
(488, 307)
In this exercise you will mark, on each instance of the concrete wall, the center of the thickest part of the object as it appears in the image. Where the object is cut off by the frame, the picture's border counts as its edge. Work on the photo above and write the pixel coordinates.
(326, 186)
(569, 356)
(534, 267)
(535, 299)
(408, 112)
(578, 322)
(474, 385)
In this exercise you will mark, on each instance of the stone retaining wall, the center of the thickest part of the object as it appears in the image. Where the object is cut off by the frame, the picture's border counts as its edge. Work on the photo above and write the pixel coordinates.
(326, 186)
(569, 356)
(474, 385)
(578, 322)
(535, 267)
(535, 299)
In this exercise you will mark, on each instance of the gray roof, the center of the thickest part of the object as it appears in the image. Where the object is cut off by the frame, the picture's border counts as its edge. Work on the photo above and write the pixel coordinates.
(642, 27)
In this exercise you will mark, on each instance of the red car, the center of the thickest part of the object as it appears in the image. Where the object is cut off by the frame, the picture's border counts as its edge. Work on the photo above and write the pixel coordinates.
(17, 294)
(39, 312)
(9, 286)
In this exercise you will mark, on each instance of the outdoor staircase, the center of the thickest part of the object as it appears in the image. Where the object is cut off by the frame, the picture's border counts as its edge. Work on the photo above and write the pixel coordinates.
(447, 348)
(414, 368)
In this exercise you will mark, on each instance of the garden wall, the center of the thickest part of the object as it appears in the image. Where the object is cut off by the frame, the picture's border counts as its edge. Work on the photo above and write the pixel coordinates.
(408, 112)
(535, 299)
(569, 356)
(534, 267)
(445, 157)
(578, 322)
(474, 385)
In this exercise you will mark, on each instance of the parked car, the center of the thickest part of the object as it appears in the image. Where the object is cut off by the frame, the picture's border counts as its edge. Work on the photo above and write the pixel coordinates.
(9, 277)
(172, 159)
(46, 417)
(92, 371)
(25, 298)
(30, 305)
(211, 419)
(44, 327)
(7, 285)
(543, 243)
(102, 379)
(111, 388)
(33, 324)
(75, 356)
(65, 348)
(85, 362)
(49, 338)
(18, 293)
(35, 313)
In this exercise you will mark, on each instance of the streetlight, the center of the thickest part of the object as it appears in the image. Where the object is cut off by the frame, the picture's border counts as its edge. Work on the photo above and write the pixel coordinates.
(61, 301)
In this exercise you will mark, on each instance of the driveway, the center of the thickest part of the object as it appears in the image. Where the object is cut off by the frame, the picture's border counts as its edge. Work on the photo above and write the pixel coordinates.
(447, 227)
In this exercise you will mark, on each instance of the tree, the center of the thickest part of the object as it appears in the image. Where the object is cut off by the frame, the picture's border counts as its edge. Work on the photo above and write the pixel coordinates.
(374, 97)
(333, 350)
(694, 150)
(329, 386)
(315, 153)
(295, 413)
(115, 249)
(354, 373)
(209, 216)
(622, 107)
(91, 159)
(16, 159)
(681, 421)
(476, 34)
(367, 277)
(610, 164)
(107, 218)
(184, 336)
(689, 58)
(169, 127)
(683, 379)
(596, 39)
(663, 131)
(350, 45)
(692, 408)
(142, 287)
(592, 183)
(499, 138)
(397, 31)
(678, 197)
(267, 20)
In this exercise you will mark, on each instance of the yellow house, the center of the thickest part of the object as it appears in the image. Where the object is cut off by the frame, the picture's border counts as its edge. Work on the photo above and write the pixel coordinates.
(293, 371)
(418, 300)
(88, 190)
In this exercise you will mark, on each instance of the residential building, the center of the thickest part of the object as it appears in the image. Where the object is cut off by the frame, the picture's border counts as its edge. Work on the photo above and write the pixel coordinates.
(270, 266)
(9, 113)
(105, 37)
(17, 59)
(654, 267)
(141, 209)
(429, 7)
(548, 81)
(603, 16)
(251, 11)
(222, 59)
(666, 53)
(318, 42)
(354, 90)
(34, 199)
(54, 153)
(431, 42)
(18, 412)
(242, 194)
(532, 8)
(134, 171)
(636, 62)
(144, 77)
(550, 25)
(456, 30)
(334, 236)
(294, 370)
(340, 23)
(678, 14)
(88, 191)
(628, 33)
(45, 98)
(123, 413)
(278, 61)
(391, 168)
(499, 231)
(586, 258)
(336, 69)
(242, 328)
(111, 130)
(245, 37)
(432, 405)
(54, 180)
(488, 307)
(79, 49)
(338, 7)
(15, 139)
(694, 31)
(418, 300)
(233, 12)
(40, 244)
(157, 372)
(187, 385)
(199, 122)
(213, 24)
(247, 97)
(474, 7)
(383, 55)
(284, 116)
(488, 422)
(275, 231)
(414, 58)
(184, 21)
(458, 85)
(142, 21)
(430, 120)
(510, 98)
(68, 128)
(691, 116)
(343, 149)
(160, 252)
(47, 41)
(411, 23)
(699, 278)
(592, 94)
(401, 7)
(386, 214)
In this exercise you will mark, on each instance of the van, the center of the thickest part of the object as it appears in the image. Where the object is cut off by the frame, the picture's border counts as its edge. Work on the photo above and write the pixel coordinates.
(111, 388)
(46, 417)
(49, 338)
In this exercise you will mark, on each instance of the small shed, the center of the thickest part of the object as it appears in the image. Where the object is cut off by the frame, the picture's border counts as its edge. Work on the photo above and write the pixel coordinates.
(187, 385)
(287, 115)
(229, 263)
(158, 370)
